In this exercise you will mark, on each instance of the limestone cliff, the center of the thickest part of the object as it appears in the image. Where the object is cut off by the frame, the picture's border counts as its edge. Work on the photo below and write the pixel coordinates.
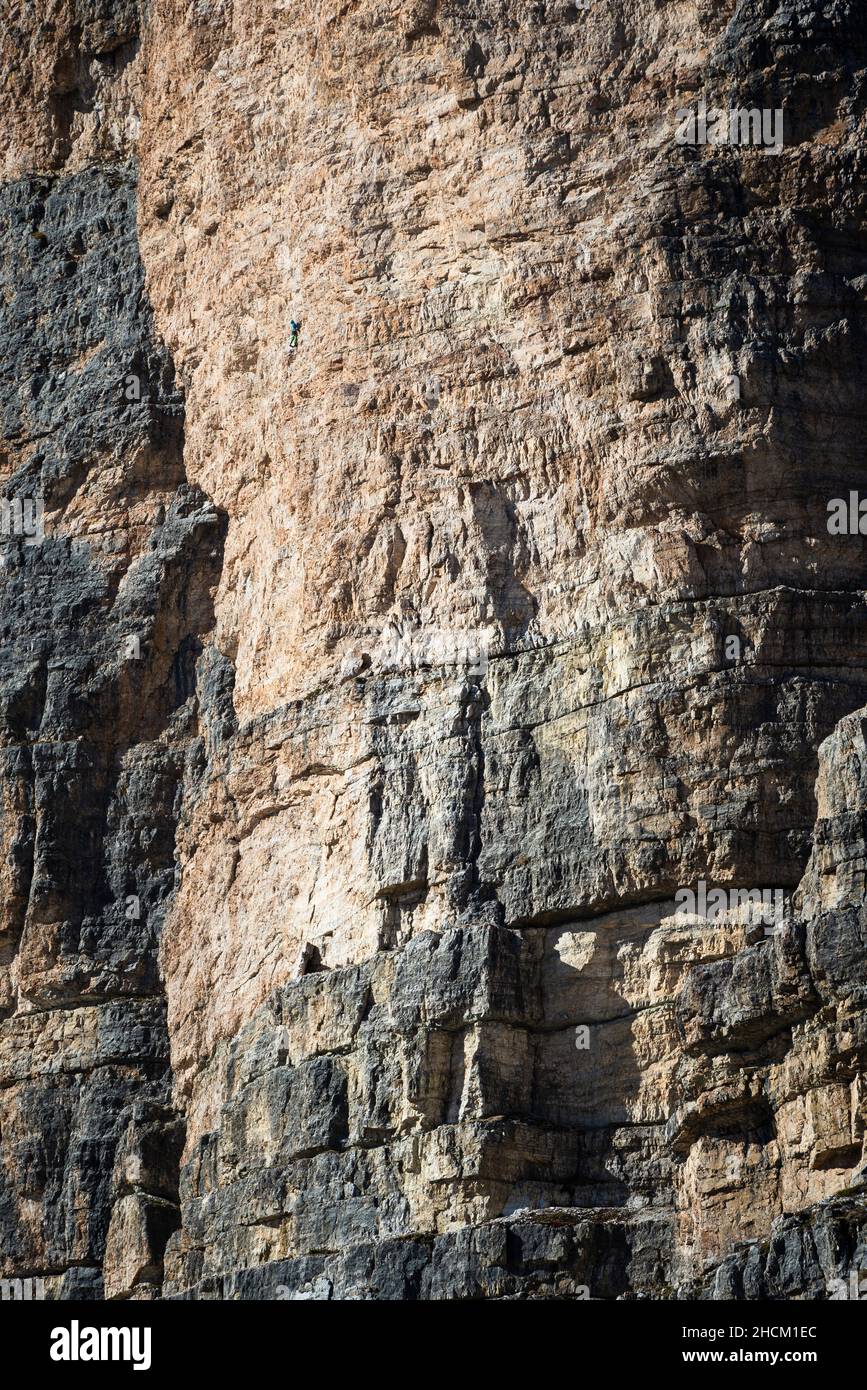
(369, 707)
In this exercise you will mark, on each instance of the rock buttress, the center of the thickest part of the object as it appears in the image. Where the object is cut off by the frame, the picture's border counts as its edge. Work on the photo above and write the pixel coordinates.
(579, 394)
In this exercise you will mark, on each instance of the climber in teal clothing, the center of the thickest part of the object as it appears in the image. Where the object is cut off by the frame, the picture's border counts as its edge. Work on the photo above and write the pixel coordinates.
(294, 330)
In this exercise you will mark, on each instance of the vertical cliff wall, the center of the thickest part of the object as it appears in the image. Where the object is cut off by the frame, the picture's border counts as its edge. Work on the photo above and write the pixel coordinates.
(368, 707)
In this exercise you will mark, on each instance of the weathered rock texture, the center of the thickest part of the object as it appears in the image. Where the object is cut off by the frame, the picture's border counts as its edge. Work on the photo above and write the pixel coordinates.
(334, 973)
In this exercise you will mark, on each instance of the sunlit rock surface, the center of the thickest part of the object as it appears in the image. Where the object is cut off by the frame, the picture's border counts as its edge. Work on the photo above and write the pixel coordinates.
(367, 707)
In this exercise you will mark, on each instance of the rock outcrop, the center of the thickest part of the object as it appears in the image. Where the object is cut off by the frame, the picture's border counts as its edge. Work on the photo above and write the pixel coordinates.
(370, 709)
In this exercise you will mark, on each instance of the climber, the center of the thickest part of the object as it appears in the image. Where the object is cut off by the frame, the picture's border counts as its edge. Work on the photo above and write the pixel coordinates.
(294, 330)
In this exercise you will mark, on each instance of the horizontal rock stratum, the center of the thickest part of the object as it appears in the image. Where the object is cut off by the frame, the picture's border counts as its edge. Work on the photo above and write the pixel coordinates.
(373, 695)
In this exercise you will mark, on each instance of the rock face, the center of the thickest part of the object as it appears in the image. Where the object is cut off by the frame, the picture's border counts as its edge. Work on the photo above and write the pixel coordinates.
(369, 708)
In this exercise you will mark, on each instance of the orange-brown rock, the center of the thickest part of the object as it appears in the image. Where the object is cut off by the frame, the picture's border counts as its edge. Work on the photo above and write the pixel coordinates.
(372, 707)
